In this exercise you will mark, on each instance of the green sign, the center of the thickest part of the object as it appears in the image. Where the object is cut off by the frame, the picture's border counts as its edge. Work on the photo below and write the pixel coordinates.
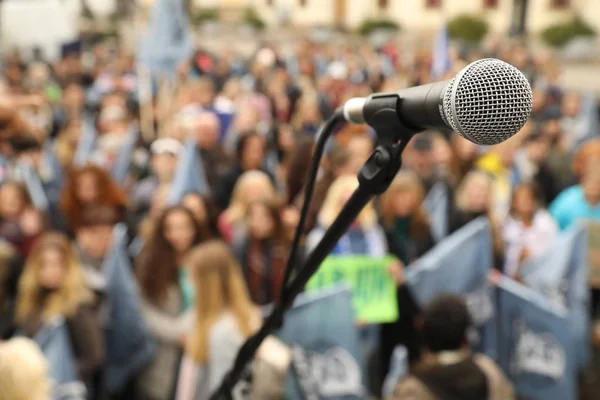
(373, 288)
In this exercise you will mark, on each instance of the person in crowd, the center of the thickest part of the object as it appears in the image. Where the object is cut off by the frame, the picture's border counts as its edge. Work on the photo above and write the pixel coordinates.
(409, 236)
(580, 202)
(165, 153)
(10, 270)
(24, 371)
(250, 156)
(224, 316)
(204, 210)
(88, 186)
(252, 185)
(20, 222)
(499, 164)
(474, 199)
(449, 369)
(466, 154)
(530, 161)
(205, 130)
(52, 286)
(420, 159)
(167, 294)
(66, 142)
(576, 125)
(365, 236)
(529, 229)
(263, 250)
(295, 168)
(359, 148)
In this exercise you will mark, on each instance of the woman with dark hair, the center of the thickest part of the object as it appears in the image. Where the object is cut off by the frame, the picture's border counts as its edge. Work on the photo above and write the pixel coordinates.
(167, 294)
(263, 250)
(88, 186)
(250, 155)
(204, 210)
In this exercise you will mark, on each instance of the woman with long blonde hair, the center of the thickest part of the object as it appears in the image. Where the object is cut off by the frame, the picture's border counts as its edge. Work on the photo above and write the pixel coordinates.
(52, 286)
(224, 318)
(251, 186)
(365, 236)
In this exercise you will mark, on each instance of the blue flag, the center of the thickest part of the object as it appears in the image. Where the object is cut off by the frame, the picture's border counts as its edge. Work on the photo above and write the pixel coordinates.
(55, 343)
(189, 176)
(169, 41)
(535, 344)
(440, 59)
(87, 141)
(560, 274)
(129, 345)
(436, 203)
(460, 264)
(34, 187)
(124, 156)
(327, 359)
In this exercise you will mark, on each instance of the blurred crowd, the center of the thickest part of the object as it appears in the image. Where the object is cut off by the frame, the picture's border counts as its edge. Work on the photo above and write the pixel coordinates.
(206, 264)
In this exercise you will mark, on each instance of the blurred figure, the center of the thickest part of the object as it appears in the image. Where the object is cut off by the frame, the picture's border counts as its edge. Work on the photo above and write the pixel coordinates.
(576, 125)
(204, 211)
(365, 236)
(90, 186)
(10, 270)
(20, 222)
(66, 142)
(531, 164)
(165, 153)
(167, 293)
(252, 185)
(24, 371)
(529, 229)
(51, 287)
(474, 199)
(263, 251)
(466, 154)
(250, 156)
(295, 167)
(448, 368)
(205, 131)
(224, 318)
(580, 202)
(359, 149)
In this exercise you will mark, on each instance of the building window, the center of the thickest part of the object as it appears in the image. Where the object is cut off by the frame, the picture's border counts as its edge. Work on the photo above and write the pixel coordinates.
(487, 4)
(303, 3)
(433, 3)
(561, 3)
(383, 4)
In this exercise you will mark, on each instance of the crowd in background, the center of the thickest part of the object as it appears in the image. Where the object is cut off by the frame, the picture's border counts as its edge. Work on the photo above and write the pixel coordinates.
(206, 264)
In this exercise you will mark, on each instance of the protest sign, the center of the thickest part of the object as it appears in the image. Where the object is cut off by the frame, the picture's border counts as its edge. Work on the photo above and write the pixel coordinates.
(327, 359)
(535, 344)
(460, 265)
(373, 288)
(594, 254)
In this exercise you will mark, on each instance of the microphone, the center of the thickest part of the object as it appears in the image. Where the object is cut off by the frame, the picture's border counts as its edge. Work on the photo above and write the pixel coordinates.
(487, 103)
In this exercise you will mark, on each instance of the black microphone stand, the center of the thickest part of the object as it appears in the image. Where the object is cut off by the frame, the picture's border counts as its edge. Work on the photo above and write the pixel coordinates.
(374, 178)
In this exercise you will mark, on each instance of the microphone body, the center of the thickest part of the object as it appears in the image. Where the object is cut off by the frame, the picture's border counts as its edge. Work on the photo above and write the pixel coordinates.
(488, 102)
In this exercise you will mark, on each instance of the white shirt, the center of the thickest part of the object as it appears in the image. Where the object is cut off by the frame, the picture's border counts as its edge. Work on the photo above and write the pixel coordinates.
(535, 238)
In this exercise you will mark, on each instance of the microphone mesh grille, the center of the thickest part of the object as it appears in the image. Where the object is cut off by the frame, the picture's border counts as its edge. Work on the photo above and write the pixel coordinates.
(488, 102)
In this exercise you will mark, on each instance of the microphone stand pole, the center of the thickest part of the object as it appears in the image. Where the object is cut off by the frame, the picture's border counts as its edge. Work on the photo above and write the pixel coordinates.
(374, 178)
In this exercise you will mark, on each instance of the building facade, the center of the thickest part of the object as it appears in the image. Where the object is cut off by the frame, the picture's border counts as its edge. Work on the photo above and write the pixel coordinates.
(502, 15)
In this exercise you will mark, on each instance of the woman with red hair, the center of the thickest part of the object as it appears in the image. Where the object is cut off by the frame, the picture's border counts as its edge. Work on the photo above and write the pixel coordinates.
(90, 185)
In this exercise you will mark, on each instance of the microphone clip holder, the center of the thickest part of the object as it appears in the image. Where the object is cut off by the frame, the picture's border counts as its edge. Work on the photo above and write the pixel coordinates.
(374, 178)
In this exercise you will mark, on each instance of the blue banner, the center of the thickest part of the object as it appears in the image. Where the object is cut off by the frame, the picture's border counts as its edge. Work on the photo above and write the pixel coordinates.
(87, 141)
(169, 41)
(327, 360)
(460, 264)
(535, 344)
(124, 156)
(55, 343)
(436, 204)
(189, 176)
(129, 345)
(560, 274)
